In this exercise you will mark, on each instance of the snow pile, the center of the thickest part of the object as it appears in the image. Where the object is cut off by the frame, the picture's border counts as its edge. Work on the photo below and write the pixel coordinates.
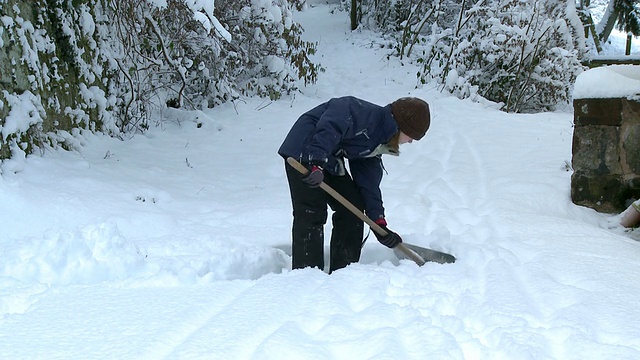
(100, 253)
(93, 254)
(608, 82)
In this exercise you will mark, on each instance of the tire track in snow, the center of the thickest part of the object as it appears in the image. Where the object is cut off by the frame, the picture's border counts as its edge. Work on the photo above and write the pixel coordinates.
(501, 295)
(194, 321)
(239, 326)
(465, 193)
(461, 194)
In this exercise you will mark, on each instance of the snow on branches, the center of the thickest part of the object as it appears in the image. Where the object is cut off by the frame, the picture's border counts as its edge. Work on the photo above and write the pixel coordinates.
(523, 55)
(112, 65)
(188, 54)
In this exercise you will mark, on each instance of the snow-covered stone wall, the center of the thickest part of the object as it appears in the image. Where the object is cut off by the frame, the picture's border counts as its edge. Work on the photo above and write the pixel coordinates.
(606, 138)
(51, 73)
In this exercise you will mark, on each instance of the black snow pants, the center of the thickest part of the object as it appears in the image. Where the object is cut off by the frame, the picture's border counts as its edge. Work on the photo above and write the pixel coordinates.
(310, 215)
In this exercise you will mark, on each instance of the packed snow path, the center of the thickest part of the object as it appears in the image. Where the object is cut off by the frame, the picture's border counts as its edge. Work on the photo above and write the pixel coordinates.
(169, 245)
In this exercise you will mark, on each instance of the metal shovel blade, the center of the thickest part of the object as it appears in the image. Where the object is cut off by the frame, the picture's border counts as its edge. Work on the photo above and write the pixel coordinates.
(428, 255)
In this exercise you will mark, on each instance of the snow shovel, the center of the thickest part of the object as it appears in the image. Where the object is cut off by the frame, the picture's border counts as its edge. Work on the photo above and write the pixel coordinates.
(403, 250)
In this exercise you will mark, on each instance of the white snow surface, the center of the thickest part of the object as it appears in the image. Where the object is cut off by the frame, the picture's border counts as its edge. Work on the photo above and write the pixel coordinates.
(608, 82)
(175, 244)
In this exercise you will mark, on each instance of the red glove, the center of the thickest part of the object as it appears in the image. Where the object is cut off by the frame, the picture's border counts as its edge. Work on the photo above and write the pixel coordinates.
(314, 177)
(390, 240)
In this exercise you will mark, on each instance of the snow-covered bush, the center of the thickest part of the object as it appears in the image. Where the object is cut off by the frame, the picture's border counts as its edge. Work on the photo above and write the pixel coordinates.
(522, 54)
(266, 55)
(164, 56)
(110, 65)
(188, 54)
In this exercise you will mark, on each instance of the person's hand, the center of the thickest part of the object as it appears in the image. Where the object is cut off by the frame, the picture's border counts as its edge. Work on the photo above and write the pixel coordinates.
(390, 240)
(314, 177)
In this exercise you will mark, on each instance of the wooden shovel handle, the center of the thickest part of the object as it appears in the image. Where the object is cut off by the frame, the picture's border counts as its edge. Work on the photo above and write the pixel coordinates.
(346, 203)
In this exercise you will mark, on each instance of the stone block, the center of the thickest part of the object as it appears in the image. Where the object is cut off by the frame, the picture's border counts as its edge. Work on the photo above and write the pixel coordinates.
(598, 112)
(631, 148)
(630, 111)
(595, 150)
(605, 193)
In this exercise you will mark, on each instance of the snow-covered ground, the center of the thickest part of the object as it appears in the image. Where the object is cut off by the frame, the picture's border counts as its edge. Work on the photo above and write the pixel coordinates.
(174, 244)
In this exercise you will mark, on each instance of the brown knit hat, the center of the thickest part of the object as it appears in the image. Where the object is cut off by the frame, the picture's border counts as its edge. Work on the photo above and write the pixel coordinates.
(412, 116)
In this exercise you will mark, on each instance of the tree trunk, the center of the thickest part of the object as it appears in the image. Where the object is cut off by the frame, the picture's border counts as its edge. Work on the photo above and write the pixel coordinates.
(354, 14)
(606, 24)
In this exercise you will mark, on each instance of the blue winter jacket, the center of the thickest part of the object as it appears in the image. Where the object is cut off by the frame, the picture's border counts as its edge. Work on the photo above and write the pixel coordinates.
(345, 127)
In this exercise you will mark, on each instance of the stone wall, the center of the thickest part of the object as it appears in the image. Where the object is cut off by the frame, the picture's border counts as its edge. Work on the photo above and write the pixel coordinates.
(46, 59)
(606, 153)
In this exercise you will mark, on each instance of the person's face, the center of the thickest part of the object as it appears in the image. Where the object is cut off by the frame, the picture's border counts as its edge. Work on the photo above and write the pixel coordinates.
(404, 139)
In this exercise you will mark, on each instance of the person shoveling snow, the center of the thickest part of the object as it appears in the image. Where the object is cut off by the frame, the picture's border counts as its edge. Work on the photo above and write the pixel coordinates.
(321, 139)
